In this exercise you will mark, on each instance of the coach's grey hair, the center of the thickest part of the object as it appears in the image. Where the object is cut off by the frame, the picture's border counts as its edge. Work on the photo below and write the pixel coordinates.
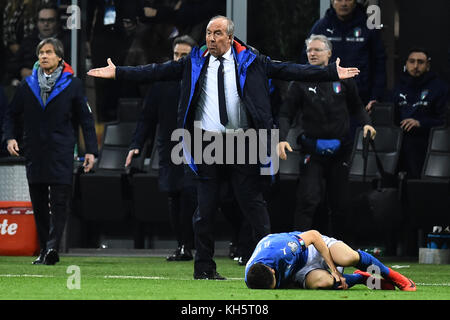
(321, 38)
(57, 46)
(230, 24)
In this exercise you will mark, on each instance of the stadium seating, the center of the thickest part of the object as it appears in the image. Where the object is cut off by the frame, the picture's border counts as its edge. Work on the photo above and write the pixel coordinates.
(371, 194)
(129, 109)
(144, 189)
(382, 114)
(105, 193)
(428, 198)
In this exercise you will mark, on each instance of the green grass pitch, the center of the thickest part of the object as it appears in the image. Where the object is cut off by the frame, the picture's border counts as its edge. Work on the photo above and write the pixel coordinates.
(153, 278)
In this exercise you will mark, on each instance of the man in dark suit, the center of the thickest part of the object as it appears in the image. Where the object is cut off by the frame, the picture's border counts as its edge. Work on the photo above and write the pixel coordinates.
(225, 86)
(52, 104)
(160, 108)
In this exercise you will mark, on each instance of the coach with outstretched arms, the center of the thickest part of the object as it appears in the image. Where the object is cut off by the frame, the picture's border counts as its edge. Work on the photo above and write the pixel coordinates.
(225, 86)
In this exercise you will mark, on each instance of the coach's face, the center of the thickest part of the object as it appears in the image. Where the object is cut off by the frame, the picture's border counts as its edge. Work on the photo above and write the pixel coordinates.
(48, 60)
(318, 54)
(218, 40)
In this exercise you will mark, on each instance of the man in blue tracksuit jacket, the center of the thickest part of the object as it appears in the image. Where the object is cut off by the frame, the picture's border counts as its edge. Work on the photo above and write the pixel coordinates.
(246, 76)
(345, 25)
(420, 101)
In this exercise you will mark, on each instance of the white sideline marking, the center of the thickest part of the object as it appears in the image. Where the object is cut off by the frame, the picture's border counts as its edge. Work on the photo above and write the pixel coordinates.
(159, 278)
(434, 284)
(25, 276)
(136, 277)
(166, 278)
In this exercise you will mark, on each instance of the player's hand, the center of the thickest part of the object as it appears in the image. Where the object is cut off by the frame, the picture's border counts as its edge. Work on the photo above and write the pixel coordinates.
(281, 147)
(340, 279)
(130, 156)
(408, 124)
(13, 147)
(345, 73)
(368, 128)
(89, 160)
(108, 72)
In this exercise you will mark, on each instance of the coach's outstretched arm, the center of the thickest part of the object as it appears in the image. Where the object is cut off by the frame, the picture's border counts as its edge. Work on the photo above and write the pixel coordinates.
(108, 72)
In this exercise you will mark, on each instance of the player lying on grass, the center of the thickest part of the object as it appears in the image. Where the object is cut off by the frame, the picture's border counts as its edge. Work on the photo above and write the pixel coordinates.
(310, 260)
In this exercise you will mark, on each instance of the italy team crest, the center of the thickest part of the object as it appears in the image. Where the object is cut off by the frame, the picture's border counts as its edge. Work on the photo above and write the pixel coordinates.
(357, 32)
(337, 87)
(423, 94)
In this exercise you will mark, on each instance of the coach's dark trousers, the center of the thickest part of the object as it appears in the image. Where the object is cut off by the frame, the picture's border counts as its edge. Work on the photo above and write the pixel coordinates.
(245, 181)
(51, 204)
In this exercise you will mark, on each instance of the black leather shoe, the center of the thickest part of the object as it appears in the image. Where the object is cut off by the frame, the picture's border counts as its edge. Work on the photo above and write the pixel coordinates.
(181, 254)
(51, 257)
(212, 275)
(40, 258)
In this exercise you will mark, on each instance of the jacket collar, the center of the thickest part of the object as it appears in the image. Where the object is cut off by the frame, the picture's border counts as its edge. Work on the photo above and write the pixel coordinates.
(64, 80)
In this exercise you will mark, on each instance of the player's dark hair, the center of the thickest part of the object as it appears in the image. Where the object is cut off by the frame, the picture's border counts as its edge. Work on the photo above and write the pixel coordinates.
(49, 5)
(421, 50)
(259, 276)
(184, 39)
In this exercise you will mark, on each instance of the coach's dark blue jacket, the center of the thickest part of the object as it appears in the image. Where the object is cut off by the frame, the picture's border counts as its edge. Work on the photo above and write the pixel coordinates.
(423, 99)
(356, 46)
(253, 73)
(50, 129)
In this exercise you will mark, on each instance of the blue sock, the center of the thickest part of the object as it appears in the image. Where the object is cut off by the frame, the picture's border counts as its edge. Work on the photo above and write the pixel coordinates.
(366, 260)
(352, 279)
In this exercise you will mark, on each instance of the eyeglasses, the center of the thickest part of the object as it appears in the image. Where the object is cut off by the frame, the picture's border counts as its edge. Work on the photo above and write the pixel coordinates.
(49, 20)
(315, 50)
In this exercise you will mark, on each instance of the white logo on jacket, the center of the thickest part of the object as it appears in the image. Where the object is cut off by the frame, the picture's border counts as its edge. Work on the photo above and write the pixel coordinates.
(313, 89)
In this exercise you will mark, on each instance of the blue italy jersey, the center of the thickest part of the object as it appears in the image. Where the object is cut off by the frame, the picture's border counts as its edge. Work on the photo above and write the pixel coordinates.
(284, 252)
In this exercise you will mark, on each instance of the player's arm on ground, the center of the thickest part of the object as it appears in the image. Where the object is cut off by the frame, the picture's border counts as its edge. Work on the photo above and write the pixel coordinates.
(315, 238)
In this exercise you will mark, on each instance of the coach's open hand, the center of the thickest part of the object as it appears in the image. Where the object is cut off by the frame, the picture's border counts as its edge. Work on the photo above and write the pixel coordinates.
(345, 73)
(108, 72)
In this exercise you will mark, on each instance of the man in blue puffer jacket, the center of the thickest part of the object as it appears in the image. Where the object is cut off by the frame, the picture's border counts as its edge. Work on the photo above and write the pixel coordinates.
(345, 25)
(420, 100)
(50, 106)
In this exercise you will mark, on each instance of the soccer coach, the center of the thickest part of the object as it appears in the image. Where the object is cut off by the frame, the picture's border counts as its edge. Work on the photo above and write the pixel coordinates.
(225, 85)
(52, 104)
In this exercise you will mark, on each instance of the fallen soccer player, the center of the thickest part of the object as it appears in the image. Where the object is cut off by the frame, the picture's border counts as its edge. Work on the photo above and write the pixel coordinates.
(310, 260)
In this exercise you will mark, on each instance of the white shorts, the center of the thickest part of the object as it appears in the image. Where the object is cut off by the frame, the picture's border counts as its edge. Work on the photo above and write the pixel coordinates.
(315, 261)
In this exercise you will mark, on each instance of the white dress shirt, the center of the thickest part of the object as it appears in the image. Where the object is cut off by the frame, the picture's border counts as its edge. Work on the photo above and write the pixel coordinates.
(207, 111)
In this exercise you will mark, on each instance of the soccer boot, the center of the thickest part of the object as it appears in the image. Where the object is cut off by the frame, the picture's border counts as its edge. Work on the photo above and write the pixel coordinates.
(400, 281)
(384, 284)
